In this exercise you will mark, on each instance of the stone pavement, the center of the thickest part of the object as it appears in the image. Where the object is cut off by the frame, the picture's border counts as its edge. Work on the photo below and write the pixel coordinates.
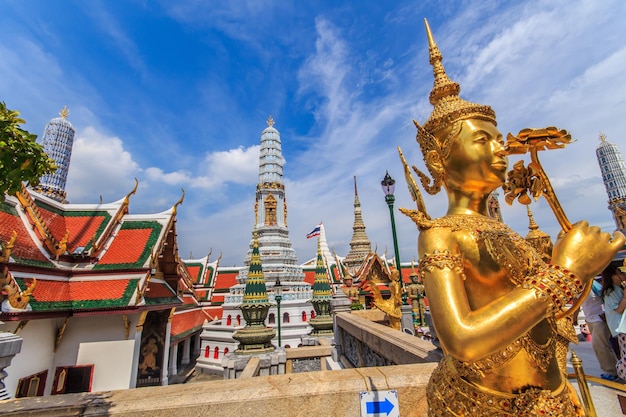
(604, 398)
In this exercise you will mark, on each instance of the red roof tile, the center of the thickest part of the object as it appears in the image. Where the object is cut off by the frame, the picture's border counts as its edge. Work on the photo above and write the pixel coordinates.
(214, 311)
(309, 276)
(226, 280)
(24, 245)
(159, 290)
(217, 298)
(188, 320)
(194, 272)
(54, 221)
(82, 230)
(127, 246)
(189, 300)
(55, 291)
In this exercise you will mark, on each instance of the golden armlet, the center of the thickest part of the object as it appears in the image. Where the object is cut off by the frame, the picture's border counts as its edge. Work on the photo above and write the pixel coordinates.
(441, 260)
(554, 285)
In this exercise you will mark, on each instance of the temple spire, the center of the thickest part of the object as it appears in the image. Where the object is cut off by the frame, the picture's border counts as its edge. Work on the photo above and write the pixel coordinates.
(57, 141)
(360, 245)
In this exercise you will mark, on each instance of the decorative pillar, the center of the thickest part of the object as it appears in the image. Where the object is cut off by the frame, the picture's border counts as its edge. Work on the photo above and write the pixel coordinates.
(136, 353)
(196, 345)
(10, 345)
(186, 352)
(173, 356)
(166, 357)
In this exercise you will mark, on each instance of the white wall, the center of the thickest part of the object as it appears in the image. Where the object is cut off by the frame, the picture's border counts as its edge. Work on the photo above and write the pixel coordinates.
(86, 329)
(36, 354)
(39, 337)
(112, 362)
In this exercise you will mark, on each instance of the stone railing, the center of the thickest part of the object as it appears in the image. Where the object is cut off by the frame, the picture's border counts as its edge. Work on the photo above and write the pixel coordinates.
(363, 343)
(323, 393)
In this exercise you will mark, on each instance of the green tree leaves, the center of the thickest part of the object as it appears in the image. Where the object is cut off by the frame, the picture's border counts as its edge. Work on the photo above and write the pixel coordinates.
(21, 158)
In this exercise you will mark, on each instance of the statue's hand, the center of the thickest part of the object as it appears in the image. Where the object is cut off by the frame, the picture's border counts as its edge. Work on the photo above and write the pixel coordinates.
(586, 250)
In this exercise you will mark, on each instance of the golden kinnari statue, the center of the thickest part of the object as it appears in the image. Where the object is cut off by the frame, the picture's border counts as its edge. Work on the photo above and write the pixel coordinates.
(494, 301)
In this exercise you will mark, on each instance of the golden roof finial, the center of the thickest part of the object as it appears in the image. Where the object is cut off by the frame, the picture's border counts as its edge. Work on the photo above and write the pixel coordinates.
(531, 221)
(602, 137)
(64, 112)
(180, 201)
(270, 121)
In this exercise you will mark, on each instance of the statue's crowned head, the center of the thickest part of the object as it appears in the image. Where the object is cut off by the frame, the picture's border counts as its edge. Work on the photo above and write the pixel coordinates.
(436, 136)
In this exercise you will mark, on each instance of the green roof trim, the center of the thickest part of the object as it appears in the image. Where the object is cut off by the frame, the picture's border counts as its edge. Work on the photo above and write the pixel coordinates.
(163, 300)
(8, 209)
(33, 262)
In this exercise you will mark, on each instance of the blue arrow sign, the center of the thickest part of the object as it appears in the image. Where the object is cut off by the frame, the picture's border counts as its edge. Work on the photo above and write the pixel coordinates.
(379, 407)
(380, 404)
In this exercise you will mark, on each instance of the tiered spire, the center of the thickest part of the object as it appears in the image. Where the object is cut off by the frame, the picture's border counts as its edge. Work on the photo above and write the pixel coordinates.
(538, 239)
(57, 141)
(279, 259)
(614, 176)
(322, 296)
(256, 291)
(255, 337)
(360, 245)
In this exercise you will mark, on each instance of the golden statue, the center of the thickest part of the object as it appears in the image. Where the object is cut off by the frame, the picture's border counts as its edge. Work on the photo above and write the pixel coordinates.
(391, 306)
(493, 299)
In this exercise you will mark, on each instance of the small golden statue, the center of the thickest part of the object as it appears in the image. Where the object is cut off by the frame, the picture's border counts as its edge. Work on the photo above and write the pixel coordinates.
(493, 299)
(391, 306)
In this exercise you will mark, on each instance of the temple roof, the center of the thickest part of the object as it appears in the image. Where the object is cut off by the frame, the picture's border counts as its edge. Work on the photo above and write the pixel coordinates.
(187, 322)
(88, 256)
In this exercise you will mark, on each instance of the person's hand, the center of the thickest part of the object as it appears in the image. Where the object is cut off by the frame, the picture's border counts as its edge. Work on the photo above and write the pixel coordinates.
(586, 250)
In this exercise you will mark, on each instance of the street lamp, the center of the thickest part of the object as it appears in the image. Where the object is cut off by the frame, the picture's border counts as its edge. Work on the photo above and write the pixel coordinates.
(388, 185)
(278, 296)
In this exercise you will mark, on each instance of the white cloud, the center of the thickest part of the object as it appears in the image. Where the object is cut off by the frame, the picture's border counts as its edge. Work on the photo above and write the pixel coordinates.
(99, 165)
(240, 165)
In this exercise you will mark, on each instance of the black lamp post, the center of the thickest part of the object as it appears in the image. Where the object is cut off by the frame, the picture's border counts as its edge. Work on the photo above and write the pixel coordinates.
(388, 185)
(278, 296)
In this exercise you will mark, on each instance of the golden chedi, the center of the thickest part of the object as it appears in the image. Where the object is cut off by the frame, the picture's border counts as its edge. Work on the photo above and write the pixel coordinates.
(492, 297)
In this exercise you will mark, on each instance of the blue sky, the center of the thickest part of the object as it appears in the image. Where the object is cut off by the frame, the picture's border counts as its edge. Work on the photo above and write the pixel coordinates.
(177, 94)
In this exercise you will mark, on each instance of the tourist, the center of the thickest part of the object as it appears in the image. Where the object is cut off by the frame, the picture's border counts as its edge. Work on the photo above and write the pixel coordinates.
(593, 309)
(613, 284)
(486, 286)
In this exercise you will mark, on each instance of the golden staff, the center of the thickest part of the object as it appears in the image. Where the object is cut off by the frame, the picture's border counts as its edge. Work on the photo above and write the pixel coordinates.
(532, 179)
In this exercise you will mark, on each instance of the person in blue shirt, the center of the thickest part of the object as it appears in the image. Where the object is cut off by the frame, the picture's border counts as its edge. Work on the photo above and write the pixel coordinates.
(613, 284)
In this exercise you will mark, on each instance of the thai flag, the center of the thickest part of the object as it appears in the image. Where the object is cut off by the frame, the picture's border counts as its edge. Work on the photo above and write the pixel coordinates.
(314, 232)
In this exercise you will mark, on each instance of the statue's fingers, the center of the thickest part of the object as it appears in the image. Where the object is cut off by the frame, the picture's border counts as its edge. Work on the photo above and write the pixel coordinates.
(618, 240)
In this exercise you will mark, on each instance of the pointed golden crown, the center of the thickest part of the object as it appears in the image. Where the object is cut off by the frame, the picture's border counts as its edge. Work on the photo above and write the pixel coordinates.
(448, 106)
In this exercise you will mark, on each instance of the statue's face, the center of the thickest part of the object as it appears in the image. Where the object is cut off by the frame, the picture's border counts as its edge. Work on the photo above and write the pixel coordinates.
(477, 161)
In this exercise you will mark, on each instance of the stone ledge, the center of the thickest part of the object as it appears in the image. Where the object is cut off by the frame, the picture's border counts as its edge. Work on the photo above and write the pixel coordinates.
(396, 346)
(324, 393)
